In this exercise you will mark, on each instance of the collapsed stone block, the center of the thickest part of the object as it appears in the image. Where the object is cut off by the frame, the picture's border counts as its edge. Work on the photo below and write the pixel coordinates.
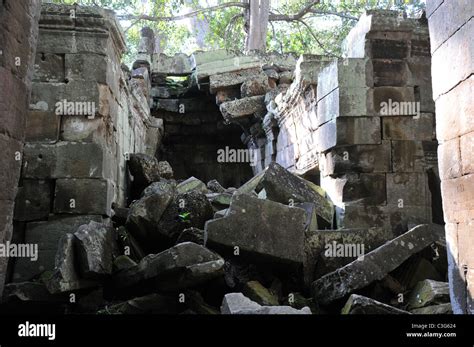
(279, 230)
(237, 303)
(375, 264)
(184, 265)
(358, 304)
(231, 79)
(46, 235)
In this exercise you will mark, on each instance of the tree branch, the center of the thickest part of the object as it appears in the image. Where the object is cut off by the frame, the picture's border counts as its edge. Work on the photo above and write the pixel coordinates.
(293, 17)
(316, 38)
(332, 13)
(183, 16)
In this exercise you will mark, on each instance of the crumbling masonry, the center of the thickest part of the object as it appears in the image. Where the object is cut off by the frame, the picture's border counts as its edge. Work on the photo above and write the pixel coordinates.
(360, 130)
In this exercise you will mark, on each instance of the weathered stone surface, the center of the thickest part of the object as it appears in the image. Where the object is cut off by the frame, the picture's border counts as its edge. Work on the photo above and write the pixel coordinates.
(95, 249)
(282, 186)
(344, 102)
(414, 156)
(191, 184)
(384, 99)
(409, 128)
(46, 235)
(145, 214)
(258, 293)
(321, 248)
(29, 291)
(454, 109)
(348, 131)
(428, 292)
(42, 127)
(257, 85)
(148, 304)
(84, 196)
(123, 262)
(458, 198)
(237, 303)
(244, 107)
(363, 188)
(435, 309)
(358, 304)
(145, 169)
(232, 78)
(33, 200)
(177, 65)
(390, 73)
(191, 209)
(360, 158)
(215, 186)
(265, 229)
(165, 170)
(64, 160)
(184, 265)
(375, 264)
(192, 235)
(462, 63)
(65, 277)
(407, 189)
(343, 73)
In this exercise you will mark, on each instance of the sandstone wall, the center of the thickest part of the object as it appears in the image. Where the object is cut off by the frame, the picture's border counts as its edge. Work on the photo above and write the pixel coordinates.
(74, 163)
(452, 47)
(380, 169)
(18, 35)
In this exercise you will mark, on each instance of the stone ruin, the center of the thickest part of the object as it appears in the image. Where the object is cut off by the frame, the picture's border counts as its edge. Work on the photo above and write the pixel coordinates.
(133, 212)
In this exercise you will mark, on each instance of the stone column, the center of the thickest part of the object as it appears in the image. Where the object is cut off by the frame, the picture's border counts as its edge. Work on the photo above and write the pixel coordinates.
(452, 48)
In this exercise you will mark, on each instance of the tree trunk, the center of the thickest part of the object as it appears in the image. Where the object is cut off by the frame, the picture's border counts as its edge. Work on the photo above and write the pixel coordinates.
(258, 25)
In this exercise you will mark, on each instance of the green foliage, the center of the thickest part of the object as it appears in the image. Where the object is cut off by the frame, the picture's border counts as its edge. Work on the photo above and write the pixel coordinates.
(184, 217)
(323, 32)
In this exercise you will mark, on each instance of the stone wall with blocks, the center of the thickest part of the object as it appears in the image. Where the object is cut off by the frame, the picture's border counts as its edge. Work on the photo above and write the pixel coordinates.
(376, 135)
(86, 114)
(452, 47)
(18, 35)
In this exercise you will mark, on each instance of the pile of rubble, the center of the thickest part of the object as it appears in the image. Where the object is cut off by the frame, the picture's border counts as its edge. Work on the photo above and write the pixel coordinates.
(268, 247)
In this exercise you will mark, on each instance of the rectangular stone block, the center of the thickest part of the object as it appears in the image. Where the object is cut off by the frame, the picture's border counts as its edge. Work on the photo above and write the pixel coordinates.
(367, 189)
(465, 244)
(343, 102)
(354, 215)
(13, 104)
(388, 49)
(387, 99)
(349, 131)
(63, 42)
(458, 50)
(447, 19)
(458, 199)
(343, 73)
(83, 196)
(402, 219)
(49, 67)
(388, 72)
(232, 78)
(10, 167)
(414, 156)
(407, 189)
(360, 158)
(88, 67)
(33, 201)
(467, 153)
(42, 127)
(64, 160)
(409, 127)
(46, 236)
(449, 159)
(454, 111)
